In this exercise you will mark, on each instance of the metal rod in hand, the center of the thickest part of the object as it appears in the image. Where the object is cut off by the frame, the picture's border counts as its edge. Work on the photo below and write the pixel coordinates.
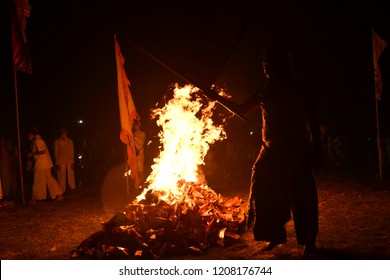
(208, 92)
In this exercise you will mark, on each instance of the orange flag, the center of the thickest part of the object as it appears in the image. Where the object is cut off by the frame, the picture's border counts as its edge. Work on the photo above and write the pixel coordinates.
(378, 45)
(128, 114)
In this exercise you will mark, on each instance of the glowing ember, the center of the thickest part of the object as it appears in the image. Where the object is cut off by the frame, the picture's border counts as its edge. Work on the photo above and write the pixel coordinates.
(187, 131)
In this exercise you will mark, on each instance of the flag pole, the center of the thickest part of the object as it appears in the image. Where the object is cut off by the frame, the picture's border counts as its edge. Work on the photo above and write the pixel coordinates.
(379, 141)
(377, 93)
(126, 171)
(18, 132)
(127, 114)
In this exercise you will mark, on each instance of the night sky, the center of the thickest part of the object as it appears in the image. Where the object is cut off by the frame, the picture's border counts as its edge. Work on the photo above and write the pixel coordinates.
(74, 71)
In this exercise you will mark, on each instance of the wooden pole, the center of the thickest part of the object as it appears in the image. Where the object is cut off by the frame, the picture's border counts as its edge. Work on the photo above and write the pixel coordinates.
(126, 172)
(18, 132)
(377, 93)
(379, 141)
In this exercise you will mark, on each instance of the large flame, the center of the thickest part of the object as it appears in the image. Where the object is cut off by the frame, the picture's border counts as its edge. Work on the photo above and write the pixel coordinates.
(187, 130)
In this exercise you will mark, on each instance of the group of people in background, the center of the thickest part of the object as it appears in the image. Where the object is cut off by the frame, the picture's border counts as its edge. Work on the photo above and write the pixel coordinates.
(335, 146)
(339, 151)
(50, 173)
(38, 167)
(43, 177)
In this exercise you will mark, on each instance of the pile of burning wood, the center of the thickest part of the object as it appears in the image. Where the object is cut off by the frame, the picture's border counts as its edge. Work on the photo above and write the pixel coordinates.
(153, 228)
(173, 216)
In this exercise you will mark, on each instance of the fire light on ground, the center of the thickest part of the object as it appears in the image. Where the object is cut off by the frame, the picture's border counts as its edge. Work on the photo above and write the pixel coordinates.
(177, 213)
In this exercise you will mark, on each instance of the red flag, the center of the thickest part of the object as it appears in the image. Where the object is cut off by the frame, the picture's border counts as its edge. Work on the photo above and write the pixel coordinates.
(128, 113)
(19, 11)
(378, 45)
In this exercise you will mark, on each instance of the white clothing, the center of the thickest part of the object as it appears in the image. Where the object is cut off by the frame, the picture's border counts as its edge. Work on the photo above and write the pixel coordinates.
(63, 151)
(42, 172)
(64, 158)
(64, 170)
(43, 178)
(139, 141)
(42, 161)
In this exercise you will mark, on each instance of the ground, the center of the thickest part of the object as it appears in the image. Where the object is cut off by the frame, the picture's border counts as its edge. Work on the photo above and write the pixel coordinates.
(354, 222)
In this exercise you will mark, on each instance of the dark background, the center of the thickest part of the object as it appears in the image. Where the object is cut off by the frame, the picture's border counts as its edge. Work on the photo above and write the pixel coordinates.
(74, 71)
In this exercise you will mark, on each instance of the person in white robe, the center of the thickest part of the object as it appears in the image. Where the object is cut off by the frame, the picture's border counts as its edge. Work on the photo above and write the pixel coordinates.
(43, 179)
(64, 158)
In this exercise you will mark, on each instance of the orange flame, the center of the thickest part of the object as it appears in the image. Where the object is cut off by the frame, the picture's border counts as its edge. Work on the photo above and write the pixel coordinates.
(187, 130)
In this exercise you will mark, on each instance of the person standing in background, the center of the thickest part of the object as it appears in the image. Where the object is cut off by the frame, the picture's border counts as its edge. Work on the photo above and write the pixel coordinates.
(28, 168)
(64, 158)
(8, 168)
(42, 170)
(139, 141)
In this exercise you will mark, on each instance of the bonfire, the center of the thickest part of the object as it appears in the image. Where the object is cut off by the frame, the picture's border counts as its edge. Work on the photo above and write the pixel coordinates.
(177, 213)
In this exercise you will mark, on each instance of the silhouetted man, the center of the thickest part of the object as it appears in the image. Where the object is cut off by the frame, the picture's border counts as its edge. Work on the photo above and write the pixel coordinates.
(282, 178)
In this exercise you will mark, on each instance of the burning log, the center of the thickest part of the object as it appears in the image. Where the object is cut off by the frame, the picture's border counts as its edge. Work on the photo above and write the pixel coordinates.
(154, 229)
